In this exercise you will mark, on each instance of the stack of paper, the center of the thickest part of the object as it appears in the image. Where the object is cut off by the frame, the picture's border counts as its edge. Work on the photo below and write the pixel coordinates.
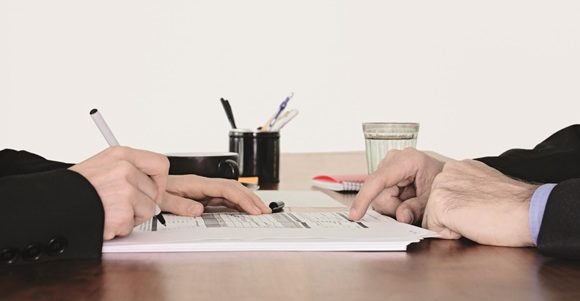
(294, 229)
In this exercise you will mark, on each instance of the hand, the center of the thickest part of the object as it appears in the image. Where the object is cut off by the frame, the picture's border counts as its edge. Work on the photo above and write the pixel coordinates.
(400, 186)
(470, 199)
(188, 195)
(129, 182)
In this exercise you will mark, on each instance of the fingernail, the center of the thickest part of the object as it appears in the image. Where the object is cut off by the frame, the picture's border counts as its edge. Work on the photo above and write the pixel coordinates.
(193, 211)
(407, 216)
(352, 213)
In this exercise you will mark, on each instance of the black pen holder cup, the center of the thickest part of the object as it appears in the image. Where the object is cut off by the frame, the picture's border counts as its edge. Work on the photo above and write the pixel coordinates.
(259, 154)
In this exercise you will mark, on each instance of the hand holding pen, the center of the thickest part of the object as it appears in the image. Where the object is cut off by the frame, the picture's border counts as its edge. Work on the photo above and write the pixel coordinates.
(126, 193)
(149, 177)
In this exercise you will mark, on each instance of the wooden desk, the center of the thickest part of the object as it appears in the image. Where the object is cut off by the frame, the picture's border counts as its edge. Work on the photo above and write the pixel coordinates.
(430, 270)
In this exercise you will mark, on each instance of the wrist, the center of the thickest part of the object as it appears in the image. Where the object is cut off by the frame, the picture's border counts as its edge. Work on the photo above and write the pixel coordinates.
(525, 234)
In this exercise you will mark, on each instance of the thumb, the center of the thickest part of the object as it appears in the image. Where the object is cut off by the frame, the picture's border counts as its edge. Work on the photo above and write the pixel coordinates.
(181, 206)
(411, 210)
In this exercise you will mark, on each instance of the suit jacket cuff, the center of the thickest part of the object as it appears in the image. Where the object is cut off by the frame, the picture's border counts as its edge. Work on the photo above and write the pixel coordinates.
(40, 208)
(560, 230)
(537, 207)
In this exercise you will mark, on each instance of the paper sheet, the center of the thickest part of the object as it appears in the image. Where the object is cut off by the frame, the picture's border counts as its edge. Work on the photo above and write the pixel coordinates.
(311, 221)
(284, 220)
(311, 231)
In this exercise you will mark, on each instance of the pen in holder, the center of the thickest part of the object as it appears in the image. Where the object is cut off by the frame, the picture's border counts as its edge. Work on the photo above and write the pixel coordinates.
(259, 154)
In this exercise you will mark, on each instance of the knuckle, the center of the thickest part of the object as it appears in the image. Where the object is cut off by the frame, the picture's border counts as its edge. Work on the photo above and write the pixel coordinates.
(230, 183)
(126, 218)
(438, 182)
(378, 208)
(108, 234)
(450, 166)
(128, 193)
(420, 157)
(458, 165)
(373, 179)
(125, 229)
(119, 151)
(410, 151)
(392, 154)
(115, 225)
(119, 226)
(236, 184)
(110, 150)
(381, 205)
(165, 162)
(227, 182)
(412, 154)
(117, 219)
(125, 169)
(472, 163)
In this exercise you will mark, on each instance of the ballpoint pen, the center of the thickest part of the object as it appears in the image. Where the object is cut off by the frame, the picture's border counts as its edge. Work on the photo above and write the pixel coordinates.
(229, 113)
(270, 122)
(112, 141)
(283, 120)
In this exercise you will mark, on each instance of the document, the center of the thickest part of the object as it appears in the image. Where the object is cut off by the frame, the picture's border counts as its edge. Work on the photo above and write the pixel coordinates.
(238, 220)
(294, 229)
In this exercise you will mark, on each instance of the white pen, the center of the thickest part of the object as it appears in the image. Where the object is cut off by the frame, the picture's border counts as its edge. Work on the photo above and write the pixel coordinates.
(272, 120)
(284, 119)
(112, 141)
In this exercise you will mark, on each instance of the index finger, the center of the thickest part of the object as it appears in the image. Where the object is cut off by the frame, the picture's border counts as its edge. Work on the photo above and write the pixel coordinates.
(196, 187)
(390, 174)
(242, 197)
(152, 164)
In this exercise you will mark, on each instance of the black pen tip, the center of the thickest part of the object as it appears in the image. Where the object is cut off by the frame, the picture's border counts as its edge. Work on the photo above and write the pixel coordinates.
(93, 111)
(161, 219)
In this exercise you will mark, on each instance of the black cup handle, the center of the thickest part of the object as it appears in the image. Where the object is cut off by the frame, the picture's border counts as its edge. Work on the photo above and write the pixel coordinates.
(229, 169)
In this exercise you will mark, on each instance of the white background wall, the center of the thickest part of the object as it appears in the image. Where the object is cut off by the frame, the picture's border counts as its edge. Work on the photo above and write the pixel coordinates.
(480, 76)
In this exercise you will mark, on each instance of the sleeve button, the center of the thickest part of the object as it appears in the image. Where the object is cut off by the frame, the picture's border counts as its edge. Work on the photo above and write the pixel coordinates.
(8, 255)
(31, 252)
(56, 246)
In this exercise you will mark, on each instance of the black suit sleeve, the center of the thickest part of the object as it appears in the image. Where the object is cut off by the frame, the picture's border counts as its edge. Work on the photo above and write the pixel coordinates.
(554, 160)
(560, 231)
(21, 162)
(48, 212)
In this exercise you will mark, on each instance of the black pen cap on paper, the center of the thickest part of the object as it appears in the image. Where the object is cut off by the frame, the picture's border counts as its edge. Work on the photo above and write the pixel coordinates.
(276, 206)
